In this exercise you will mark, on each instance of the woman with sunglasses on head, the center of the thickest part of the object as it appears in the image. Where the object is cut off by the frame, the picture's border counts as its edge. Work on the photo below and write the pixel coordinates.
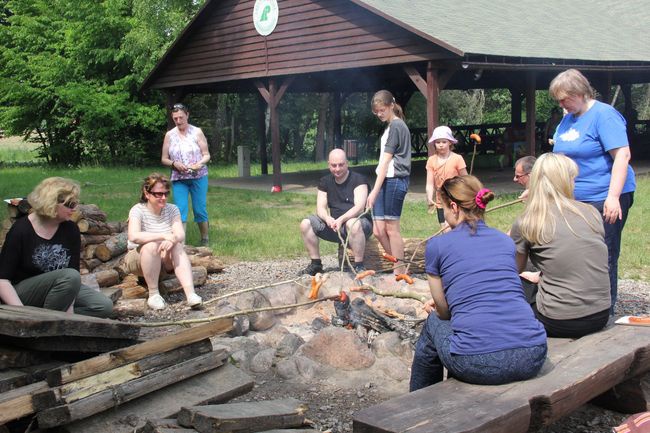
(156, 239)
(185, 150)
(39, 262)
(480, 326)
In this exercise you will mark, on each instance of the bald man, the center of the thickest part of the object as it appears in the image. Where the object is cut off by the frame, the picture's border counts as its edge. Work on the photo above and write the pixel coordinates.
(341, 199)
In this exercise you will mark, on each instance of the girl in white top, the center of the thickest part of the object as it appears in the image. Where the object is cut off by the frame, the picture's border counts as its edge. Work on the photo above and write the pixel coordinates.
(156, 239)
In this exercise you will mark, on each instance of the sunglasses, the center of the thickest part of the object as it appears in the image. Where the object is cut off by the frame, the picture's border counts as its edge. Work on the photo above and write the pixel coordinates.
(177, 107)
(159, 194)
(70, 204)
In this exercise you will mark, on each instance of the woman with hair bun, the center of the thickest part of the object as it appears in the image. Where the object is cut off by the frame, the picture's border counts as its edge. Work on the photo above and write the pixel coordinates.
(564, 239)
(39, 262)
(480, 326)
(393, 171)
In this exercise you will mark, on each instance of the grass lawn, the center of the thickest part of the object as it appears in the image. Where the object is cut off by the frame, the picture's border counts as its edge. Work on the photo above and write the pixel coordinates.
(252, 225)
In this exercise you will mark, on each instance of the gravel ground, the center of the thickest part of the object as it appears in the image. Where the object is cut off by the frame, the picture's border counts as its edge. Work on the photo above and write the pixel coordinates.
(333, 402)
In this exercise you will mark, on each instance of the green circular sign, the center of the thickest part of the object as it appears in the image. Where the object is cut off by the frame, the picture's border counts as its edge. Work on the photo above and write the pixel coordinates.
(265, 16)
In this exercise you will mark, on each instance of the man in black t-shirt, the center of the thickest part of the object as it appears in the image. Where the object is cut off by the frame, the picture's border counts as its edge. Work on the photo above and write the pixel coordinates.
(342, 196)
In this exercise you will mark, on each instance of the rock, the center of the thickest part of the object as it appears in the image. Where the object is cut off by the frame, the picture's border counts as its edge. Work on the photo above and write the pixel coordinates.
(284, 294)
(258, 321)
(325, 348)
(307, 368)
(287, 369)
(272, 337)
(319, 323)
(289, 344)
(394, 368)
(390, 344)
(263, 361)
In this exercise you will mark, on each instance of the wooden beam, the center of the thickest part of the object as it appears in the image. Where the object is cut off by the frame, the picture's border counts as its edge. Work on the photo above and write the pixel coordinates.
(417, 79)
(261, 134)
(530, 112)
(283, 88)
(444, 76)
(130, 390)
(108, 361)
(17, 403)
(515, 106)
(433, 89)
(276, 152)
(263, 91)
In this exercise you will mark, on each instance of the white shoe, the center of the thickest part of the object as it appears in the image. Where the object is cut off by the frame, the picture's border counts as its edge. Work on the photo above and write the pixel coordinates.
(194, 300)
(156, 302)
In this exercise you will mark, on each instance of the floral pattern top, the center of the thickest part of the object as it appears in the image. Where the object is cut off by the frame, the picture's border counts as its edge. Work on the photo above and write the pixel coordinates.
(186, 149)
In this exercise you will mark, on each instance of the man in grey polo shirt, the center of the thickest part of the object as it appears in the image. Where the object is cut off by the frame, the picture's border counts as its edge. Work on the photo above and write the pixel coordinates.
(341, 199)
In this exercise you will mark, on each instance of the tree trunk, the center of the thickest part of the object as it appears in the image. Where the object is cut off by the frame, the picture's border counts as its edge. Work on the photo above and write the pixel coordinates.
(113, 247)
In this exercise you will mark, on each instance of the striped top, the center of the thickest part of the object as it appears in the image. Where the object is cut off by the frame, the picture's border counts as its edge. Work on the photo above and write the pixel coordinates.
(152, 223)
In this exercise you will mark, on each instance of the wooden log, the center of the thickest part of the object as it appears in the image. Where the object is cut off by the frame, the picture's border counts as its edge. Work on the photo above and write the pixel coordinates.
(130, 390)
(245, 416)
(88, 253)
(108, 361)
(90, 280)
(197, 251)
(129, 308)
(373, 258)
(100, 382)
(88, 211)
(113, 247)
(93, 239)
(17, 403)
(118, 226)
(27, 321)
(93, 227)
(199, 276)
(135, 292)
(165, 425)
(107, 278)
(112, 293)
(210, 263)
(215, 386)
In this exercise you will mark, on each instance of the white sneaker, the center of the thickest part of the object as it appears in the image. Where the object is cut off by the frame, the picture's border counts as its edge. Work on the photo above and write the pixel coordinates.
(194, 300)
(156, 302)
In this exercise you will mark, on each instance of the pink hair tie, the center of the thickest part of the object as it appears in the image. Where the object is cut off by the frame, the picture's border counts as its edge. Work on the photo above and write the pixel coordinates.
(479, 197)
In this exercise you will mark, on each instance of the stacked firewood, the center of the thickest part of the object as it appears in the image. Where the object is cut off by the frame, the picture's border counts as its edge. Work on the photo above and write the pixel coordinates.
(16, 207)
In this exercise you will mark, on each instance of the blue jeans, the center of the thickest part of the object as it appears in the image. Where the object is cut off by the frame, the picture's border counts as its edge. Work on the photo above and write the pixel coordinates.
(198, 190)
(613, 233)
(432, 353)
(390, 199)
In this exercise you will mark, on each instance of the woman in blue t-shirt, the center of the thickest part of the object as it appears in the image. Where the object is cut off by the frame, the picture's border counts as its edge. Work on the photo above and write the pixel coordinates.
(593, 134)
(480, 326)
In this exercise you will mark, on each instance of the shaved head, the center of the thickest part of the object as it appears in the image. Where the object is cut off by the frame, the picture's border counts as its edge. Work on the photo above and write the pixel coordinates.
(338, 165)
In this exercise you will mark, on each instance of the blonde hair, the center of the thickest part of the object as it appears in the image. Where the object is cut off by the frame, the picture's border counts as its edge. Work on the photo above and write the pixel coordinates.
(384, 98)
(551, 189)
(570, 83)
(151, 181)
(50, 192)
(463, 191)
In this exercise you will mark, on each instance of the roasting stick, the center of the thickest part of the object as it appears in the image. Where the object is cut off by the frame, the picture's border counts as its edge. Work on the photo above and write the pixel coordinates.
(234, 314)
(477, 140)
(417, 247)
(250, 289)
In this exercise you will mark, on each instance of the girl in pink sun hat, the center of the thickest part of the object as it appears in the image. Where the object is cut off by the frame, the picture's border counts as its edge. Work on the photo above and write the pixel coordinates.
(442, 165)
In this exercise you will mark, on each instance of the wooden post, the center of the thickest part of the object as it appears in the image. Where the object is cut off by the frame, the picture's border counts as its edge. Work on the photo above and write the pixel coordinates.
(338, 140)
(515, 106)
(261, 134)
(432, 102)
(530, 113)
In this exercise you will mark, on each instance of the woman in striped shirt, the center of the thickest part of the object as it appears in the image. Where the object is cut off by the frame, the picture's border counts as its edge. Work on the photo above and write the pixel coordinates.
(156, 239)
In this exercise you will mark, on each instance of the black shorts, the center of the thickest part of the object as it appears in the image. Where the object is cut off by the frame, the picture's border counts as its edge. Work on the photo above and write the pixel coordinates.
(326, 233)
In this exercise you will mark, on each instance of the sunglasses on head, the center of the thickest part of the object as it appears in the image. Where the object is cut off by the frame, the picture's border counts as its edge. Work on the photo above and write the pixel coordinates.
(70, 204)
(159, 194)
(177, 107)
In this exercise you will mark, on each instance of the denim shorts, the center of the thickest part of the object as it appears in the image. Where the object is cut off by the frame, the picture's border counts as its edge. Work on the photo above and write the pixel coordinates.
(390, 200)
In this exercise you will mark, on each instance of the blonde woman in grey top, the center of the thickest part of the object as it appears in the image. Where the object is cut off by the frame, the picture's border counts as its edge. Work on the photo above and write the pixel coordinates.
(156, 240)
(565, 240)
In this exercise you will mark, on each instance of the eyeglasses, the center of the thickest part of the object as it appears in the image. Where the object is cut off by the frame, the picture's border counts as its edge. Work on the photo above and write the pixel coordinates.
(70, 204)
(177, 107)
(519, 176)
(159, 194)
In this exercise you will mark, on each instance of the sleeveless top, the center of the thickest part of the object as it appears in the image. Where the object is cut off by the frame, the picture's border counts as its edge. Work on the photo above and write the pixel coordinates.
(186, 149)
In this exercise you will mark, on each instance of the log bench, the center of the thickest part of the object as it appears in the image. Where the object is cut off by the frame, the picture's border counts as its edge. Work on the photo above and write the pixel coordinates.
(608, 367)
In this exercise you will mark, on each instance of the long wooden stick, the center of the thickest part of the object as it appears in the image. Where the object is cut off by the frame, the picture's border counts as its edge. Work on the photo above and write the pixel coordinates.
(249, 289)
(471, 165)
(230, 315)
(404, 295)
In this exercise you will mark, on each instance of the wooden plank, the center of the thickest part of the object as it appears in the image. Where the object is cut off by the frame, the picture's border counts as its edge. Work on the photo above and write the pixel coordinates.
(213, 387)
(571, 376)
(164, 426)
(117, 358)
(39, 322)
(131, 390)
(85, 387)
(17, 403)
(15, 378)
(71, 344)
(245, 416)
